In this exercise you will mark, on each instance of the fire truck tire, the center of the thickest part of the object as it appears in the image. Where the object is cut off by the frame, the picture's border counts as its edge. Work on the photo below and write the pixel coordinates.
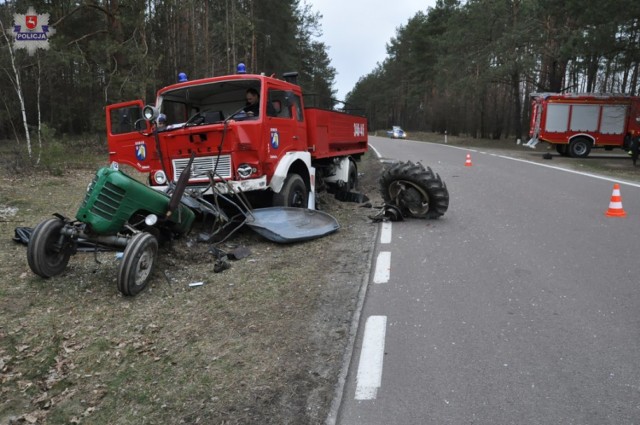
(579, 147)
(417, 191)
(48, 251)
(563, 150)
(352, 184)
(137, 263)
(294, 193)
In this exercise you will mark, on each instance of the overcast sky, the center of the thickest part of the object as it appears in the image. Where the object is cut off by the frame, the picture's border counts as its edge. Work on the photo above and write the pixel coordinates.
(357, 33)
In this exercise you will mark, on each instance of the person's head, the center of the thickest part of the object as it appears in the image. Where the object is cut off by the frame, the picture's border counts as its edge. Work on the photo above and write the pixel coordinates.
(162, 120)
(252, 96)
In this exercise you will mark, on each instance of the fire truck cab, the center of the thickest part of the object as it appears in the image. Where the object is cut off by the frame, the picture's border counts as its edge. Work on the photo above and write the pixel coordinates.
(279, 150)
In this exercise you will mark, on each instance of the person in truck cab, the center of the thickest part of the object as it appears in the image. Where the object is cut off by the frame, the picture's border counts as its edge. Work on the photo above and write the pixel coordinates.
(253, 103)
(162, 122)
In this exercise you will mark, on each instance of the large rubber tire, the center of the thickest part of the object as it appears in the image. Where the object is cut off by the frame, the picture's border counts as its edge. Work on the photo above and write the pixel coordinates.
(48, 251)
(579, 147)
(137, 264)
(294, 193)
(563, 150)
(417, 191)
(352, 183)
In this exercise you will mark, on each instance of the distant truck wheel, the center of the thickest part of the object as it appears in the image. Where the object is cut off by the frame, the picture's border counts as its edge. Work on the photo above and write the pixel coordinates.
(137, 263)
(417, 191)
(294, 193)
(579, 147)
(48, 251)
(562, 150)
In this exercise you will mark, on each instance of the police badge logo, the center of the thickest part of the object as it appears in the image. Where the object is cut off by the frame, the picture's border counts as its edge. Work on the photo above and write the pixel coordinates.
(31, 22)
(37, 33)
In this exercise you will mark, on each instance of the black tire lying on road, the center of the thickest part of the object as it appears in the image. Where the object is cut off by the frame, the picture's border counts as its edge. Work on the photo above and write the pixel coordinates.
(417, 191)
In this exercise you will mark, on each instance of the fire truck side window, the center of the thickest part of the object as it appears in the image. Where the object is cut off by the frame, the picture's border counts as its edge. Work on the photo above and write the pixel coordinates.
(283, 104)
(278, 104)
(124, 119)
(297, 104)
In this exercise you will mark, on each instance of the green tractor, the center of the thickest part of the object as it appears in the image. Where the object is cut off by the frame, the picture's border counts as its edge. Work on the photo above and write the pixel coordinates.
(120, 213)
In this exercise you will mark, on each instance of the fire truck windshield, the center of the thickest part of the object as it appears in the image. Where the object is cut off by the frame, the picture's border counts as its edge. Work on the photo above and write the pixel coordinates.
(205, 103)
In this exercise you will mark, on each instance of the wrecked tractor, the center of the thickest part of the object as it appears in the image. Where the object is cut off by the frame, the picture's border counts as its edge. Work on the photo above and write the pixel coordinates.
(117, 213)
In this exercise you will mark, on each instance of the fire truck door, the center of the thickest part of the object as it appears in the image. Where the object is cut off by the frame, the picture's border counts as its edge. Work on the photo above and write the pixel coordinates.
(129, 136)
(282, 123)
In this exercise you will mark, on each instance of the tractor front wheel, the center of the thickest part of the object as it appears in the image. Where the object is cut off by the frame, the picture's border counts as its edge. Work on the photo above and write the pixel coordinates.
(137, 263)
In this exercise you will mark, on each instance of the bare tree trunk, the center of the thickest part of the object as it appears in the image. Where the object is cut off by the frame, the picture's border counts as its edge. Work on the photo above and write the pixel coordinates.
(39, 89)
(17, 85)
(517, 106)
(634, 81)
(233, 35)
(228, 38)
(254, 53)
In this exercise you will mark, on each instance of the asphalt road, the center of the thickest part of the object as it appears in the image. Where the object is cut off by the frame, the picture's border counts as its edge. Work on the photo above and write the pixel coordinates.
(521, 305)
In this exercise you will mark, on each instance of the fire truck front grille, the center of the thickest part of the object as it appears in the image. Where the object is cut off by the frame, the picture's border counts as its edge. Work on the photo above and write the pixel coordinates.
(108, 201)
(202, 165)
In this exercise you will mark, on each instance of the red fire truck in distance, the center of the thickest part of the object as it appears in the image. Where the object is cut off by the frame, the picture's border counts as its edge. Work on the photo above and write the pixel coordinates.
(284, 151)
(576, 123)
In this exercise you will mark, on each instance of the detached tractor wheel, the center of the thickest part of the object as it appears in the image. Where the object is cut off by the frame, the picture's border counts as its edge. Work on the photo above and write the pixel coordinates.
(579, 147)
(294, 193)
(49, 251)
(417, 191)
(137, 263)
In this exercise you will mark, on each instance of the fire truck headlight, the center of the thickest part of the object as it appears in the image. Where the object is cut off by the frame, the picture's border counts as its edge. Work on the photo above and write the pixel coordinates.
(150, 113)
(245, 170)
(160, 177)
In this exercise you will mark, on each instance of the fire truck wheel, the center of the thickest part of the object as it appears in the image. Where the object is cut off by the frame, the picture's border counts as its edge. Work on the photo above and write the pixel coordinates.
(417, 191)
(294, 193)
(579, 147)
(48, 251)
(562, 150)
(352, 184)
(137, 263)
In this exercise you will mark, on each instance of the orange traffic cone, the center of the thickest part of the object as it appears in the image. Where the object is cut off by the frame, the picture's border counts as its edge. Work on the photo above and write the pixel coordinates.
(615, 205)
(468, 163)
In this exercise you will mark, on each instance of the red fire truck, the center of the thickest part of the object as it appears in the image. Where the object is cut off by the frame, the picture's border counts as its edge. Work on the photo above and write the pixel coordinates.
(577, 123)
(282, 153)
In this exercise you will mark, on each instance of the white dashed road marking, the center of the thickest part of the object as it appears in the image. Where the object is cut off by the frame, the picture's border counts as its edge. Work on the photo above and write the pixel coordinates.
(369, 375)
(385, 232)
(383, 267)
